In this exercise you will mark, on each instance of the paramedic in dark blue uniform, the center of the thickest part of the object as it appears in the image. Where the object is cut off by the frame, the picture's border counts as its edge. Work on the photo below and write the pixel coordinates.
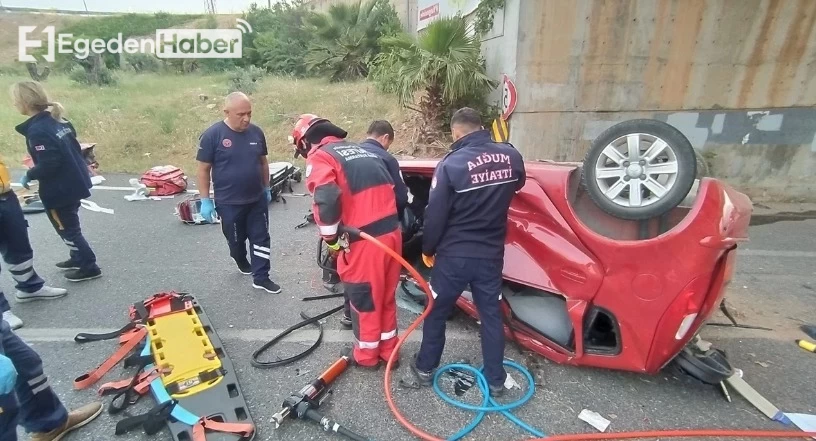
(233, 153)
(463, 240)
(61, 171)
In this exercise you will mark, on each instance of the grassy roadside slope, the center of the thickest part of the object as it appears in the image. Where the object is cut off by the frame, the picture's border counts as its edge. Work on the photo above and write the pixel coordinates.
(153, 119)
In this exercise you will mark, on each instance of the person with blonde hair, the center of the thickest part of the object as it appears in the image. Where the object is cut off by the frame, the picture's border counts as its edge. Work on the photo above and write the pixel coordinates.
(61, 171)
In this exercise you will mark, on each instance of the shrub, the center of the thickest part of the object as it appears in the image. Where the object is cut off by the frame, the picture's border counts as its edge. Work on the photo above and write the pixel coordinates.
(102, 76)
(245, 79)
(143, 62)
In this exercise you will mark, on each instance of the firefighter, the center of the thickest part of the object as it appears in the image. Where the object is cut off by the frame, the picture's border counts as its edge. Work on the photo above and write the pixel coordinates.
(17, 253)
(233, 152)
(61, 171)
(351, 186)
(26, 397)
(463, 241)
(379, 137)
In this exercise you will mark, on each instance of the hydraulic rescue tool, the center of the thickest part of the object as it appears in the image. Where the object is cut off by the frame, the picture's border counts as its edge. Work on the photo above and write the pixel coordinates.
(304, 403)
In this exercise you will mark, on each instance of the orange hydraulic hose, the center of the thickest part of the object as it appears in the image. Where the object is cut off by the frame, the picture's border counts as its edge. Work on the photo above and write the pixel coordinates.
(691, 433)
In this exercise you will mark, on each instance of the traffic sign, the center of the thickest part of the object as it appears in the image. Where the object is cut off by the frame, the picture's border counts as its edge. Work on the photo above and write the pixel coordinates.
(509, 97)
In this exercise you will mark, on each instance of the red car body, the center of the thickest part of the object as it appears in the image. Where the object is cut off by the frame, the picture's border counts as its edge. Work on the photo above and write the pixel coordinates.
(660, 280)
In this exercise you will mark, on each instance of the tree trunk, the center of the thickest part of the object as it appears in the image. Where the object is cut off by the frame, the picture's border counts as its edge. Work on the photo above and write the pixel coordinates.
(35, 74)
(432, 107)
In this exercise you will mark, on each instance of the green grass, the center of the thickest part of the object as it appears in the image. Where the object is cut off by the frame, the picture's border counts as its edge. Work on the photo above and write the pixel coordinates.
(155, 119)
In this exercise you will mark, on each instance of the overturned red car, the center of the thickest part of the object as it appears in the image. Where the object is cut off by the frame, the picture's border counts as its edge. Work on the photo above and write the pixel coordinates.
(616, 262)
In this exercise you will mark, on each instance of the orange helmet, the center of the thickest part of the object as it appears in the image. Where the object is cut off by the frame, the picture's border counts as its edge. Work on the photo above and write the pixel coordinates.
(302, 126)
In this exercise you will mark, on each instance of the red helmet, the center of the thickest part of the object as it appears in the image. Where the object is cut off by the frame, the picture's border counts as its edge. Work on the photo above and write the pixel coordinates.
(303, 124)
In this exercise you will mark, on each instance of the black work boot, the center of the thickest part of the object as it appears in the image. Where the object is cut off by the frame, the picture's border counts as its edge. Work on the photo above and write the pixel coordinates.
(424, 378)
(346, 321)
(244, 267)
(80, 275)
(68, 265)
(496, 391)
(268, 286)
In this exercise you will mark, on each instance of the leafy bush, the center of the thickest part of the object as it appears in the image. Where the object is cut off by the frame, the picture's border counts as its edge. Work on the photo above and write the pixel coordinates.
(100, 77)
(444, 62)
(245, 79)
(130, 25)
(141, 63)
(348, 38)
(280, 39)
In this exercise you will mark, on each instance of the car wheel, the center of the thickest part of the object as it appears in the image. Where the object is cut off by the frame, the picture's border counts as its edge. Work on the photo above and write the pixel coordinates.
(639, 169)
(710, 367)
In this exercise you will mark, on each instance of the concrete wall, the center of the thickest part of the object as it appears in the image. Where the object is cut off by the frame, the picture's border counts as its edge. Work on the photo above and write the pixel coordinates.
(738, 77)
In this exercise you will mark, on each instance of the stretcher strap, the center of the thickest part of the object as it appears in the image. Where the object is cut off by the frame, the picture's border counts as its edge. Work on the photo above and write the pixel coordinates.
(241, 429)
(142, 383)
(152, 421)
(83, 337)
(95, 375)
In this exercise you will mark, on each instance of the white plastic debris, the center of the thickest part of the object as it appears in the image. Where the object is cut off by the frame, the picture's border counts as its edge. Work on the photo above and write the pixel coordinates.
(93, 206)
(594, 419)
(511, 383)
(96, 180)
(140, 191)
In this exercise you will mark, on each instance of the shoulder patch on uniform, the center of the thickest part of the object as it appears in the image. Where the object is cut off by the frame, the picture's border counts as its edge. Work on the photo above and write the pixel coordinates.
(226, 143)
(433, 182)
(39, 148)
(308, 170)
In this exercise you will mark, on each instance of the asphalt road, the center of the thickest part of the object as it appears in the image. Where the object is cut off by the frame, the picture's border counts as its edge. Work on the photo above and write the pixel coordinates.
(143, 249)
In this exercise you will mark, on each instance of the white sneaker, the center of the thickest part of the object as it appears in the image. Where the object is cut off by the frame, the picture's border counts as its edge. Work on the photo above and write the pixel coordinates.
(13, 321)
(44, 293)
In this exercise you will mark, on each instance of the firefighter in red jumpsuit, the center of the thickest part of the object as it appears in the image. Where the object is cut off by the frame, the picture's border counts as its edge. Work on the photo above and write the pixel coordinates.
(352, 187)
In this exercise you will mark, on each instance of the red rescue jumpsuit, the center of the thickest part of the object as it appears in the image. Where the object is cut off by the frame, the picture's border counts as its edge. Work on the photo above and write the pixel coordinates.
(351, 186)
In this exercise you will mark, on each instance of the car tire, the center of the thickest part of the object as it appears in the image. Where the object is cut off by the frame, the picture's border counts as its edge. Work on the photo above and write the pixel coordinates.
(663, 176)
(710, 367)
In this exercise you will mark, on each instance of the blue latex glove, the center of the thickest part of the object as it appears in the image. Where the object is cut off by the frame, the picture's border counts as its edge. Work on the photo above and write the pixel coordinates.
(8, 375)
(268, 195)
(25, 181)
(207, 209)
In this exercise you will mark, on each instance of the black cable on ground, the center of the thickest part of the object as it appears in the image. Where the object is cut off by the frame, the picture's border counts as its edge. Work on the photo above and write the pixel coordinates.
(308, 320)
(326, 296)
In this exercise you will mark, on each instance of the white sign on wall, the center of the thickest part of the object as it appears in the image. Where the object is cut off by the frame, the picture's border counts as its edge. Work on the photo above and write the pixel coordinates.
(430, 10)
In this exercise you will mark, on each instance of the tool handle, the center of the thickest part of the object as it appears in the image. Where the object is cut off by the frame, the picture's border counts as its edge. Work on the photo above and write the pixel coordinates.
(334, 371)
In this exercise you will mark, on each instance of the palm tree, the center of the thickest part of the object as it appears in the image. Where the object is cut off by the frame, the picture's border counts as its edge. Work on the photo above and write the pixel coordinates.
(444, 61)
(347, 38)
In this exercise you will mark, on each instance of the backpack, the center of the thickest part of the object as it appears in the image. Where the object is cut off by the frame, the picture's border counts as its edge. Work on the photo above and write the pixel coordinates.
(164, 180)
(188, 210)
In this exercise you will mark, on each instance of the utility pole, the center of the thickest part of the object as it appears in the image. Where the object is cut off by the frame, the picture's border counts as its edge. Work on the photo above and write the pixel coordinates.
(86, 5)
(210, 4)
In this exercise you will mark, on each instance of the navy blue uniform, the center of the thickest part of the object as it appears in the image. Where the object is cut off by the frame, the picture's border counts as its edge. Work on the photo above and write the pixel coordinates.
(15, 248)
(239, 192)
(391, 163)
(63, 178)
(465, 227)
(32, 404)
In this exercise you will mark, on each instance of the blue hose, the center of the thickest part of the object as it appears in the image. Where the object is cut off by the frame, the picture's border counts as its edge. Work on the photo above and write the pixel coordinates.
(488, 403)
